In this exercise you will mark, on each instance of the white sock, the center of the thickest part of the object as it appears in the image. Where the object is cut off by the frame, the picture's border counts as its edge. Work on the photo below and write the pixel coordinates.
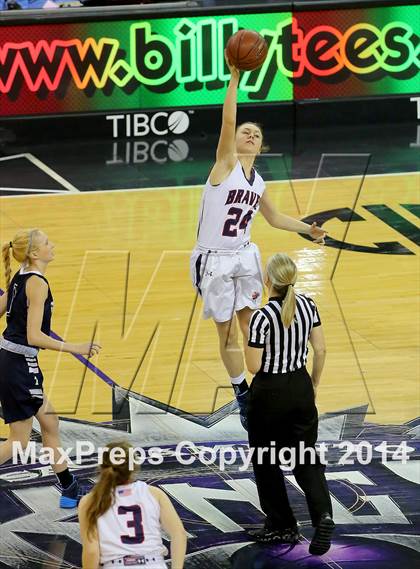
(238, 380)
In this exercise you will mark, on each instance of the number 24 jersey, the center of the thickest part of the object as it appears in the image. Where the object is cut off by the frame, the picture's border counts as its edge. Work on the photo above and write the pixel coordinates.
(227, 210)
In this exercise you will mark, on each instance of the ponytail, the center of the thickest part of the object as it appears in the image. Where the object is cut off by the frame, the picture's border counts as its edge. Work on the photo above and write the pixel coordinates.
(5, 253)
(282, 273)
(22, 244)
(111, 476)
(288, 308)
(101, 497)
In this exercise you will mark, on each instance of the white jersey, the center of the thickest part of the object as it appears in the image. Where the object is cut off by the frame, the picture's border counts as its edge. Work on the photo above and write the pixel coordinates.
(227, 210)
(131, 526)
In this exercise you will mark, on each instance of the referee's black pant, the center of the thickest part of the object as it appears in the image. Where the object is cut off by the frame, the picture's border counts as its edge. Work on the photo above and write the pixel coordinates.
(282, 409)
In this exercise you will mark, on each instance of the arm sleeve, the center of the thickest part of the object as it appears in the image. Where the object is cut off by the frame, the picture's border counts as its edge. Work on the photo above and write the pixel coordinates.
(258, 330)
(317, 319)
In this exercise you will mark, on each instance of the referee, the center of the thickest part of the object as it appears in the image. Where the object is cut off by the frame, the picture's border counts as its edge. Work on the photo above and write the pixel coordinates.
(282, 412)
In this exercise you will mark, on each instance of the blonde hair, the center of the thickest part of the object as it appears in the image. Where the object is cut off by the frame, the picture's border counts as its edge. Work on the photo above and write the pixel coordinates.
(111, 476)
(22, 244)
(282, 272)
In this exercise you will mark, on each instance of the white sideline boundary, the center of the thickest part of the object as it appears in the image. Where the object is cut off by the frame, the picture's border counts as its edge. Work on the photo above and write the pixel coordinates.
(45, 168)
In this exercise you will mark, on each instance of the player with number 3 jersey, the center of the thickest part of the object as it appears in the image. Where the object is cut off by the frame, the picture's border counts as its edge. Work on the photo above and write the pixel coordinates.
(225, 265)
(121, 519)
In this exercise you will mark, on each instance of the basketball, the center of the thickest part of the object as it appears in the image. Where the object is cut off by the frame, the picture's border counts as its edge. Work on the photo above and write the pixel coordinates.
(246, 50)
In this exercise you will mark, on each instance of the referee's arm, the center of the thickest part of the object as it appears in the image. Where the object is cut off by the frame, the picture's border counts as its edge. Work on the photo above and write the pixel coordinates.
(253, 358)
(317, 341)
(254, 350)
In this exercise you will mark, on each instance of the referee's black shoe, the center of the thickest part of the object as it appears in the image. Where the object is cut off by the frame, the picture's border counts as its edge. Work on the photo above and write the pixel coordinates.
(321, 541)
(266, 535)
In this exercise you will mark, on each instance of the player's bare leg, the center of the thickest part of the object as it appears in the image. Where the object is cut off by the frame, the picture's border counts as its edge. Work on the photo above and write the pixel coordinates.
(244, 316)
(48, 421)
(229, 347)
(19, 432)
(232, 357)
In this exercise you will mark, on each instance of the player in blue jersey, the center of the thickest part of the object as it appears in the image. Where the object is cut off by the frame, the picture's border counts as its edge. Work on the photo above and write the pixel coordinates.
(28, 304)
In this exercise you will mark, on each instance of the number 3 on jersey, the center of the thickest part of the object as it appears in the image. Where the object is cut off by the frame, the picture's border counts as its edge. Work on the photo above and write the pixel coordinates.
(230, 228)
(135, 522)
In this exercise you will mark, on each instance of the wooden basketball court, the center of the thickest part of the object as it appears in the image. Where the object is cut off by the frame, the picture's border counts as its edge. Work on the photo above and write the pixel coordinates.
(122, 271)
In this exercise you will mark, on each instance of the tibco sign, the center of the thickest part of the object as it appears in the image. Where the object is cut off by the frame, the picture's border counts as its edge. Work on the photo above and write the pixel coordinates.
(142, 124)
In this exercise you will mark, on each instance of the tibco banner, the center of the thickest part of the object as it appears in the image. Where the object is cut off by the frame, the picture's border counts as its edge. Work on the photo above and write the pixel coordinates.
(142, 124)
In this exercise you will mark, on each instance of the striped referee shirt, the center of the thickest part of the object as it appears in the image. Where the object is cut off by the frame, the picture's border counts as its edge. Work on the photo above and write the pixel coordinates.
(285, 349)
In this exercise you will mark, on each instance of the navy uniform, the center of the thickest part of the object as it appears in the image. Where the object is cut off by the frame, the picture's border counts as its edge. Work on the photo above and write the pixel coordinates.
(21, 379)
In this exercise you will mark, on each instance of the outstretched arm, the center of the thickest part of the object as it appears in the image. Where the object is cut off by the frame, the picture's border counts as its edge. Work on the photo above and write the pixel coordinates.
(226, 148)
(281, 221)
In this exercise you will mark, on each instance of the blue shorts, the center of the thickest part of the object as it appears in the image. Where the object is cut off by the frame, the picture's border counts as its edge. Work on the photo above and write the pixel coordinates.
(21, 381)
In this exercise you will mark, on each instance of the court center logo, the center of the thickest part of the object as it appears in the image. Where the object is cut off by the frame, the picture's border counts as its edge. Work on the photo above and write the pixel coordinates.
(161, 123)
(381, 212)
(373, 495)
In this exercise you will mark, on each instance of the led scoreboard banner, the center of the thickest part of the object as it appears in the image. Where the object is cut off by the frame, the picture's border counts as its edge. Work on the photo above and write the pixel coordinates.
(171, 62)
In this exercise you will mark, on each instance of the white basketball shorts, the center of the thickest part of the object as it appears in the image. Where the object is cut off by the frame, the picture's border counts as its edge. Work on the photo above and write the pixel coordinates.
(227, 280)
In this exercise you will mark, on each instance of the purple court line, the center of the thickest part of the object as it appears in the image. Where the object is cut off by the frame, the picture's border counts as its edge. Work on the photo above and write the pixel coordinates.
(102, 375)
(99, 373)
